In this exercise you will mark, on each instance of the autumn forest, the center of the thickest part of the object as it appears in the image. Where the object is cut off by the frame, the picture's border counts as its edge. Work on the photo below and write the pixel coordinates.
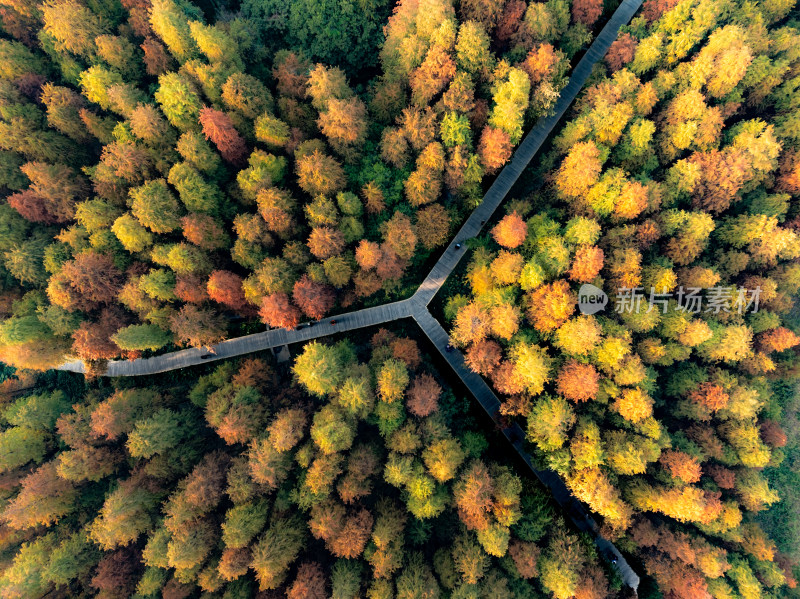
(179, 173)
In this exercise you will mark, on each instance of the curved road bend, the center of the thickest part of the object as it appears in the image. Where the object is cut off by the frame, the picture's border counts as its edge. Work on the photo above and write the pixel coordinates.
(416, 306)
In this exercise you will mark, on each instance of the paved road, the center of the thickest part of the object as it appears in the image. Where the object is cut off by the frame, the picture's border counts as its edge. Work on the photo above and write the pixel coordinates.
(359, 319)
(416, 307)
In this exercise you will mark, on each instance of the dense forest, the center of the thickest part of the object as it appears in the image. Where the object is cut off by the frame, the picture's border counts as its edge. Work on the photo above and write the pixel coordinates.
(174, 177)
(672, 187)
(176, 173)
(362, 475)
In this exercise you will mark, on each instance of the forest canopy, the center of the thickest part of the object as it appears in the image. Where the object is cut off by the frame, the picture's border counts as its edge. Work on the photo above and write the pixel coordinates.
(670, 190)
(370, 480)
(175, 175)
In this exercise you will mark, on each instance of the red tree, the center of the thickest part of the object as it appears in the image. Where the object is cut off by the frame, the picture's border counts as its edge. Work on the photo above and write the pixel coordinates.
(175, 589)
(578, 382)
(473, 496)
(218, 127)
(773, 434)
(92, 340)
(724, 477)
(254, 373)
(32, 207)
(325, 242)
(368, 254)
(525, 556)
(511, 231)
(84, 283)
(710, 396)
(191, 289)
(118, 573)
(225, 287)
(483, 357)
(621, 51)
(789, 180)
(204, 231)
(777, 340)
(52, 195)
(681, 466)
(587, 11)
(510, 20)
(349, 541)
(156, 59)
(314, 299)
(494, 148)
(587, 264)
(197, 327)
(423, 396)
(205, 486)
(406, 350)
(309, 584)
(653, 9)
(391, 266)
(277, 310)
(291, 73)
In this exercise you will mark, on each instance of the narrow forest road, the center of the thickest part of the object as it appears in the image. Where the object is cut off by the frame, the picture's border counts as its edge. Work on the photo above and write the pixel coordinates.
(416, 307)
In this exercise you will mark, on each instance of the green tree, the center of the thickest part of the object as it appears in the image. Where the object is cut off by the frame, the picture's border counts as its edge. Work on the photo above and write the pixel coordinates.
(196, 194)
(70, 560)
(416, 580)
(157, 434)
(560, 565)
(332, 429)
(275, 551)
(179, 100)
(127, 512)
(73, 26)
(194, 148)
(329, 32)
(141, 336)
(243, 522)
(43, 500)
(63, 111)
(18, 446)
(154, 205)
(392, 380)
(510, 95)
(25, 575)
(96, 83)
(38, 412)
(159, 284)
(132, 235)
(170, 21)
(549, 422)
(248, 96)
(18, 60)
(320, 368)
